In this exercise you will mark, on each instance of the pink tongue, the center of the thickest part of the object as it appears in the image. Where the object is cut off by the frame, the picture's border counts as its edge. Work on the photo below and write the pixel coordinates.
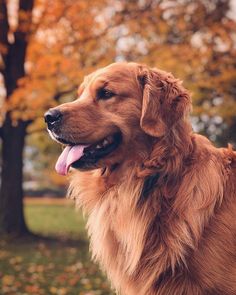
(69, 155)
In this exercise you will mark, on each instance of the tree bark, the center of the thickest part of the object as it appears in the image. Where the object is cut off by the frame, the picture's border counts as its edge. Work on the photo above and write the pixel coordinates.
(13, 136)
(11, 191)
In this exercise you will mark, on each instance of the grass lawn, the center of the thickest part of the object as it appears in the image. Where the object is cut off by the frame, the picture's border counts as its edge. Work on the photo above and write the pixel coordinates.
(52, 217)
(58, 262)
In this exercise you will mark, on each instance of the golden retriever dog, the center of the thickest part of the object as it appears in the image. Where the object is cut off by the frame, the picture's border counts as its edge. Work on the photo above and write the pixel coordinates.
(160, 200)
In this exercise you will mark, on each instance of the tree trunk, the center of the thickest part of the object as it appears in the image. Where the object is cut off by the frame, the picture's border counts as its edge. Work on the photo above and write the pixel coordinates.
(13, 137)
(11, 192)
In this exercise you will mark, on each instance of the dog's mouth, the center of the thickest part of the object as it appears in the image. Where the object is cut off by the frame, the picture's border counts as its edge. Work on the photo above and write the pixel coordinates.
(86, 157)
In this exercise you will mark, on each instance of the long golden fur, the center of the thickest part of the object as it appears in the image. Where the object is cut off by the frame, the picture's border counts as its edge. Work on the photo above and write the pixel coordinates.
(162, 207)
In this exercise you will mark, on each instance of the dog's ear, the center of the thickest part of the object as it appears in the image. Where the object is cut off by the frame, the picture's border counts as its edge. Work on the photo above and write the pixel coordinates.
(165, 101)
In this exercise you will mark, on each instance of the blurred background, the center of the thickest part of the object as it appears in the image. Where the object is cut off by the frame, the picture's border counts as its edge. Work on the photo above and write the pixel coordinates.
(46, 48)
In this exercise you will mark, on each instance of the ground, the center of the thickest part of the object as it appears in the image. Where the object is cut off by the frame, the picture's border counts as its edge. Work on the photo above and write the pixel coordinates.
(56, 261)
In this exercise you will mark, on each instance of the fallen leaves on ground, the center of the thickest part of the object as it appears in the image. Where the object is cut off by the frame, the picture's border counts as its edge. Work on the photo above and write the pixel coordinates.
(45, 267)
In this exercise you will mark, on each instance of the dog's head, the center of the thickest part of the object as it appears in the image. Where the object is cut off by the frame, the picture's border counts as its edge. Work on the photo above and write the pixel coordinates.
(119, 109)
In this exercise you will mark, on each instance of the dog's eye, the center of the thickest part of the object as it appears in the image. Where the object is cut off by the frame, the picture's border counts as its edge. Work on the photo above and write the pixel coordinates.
(104, 94)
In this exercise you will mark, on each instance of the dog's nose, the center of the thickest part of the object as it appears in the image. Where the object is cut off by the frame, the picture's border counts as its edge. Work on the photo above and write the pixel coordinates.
(52, 116)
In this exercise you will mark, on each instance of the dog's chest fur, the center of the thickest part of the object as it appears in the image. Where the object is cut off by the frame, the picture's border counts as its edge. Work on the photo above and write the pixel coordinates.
(116, 226)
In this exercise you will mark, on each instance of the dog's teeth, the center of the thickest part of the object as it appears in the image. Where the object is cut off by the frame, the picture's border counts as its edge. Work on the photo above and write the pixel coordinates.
(105, 142)
(98, 146)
